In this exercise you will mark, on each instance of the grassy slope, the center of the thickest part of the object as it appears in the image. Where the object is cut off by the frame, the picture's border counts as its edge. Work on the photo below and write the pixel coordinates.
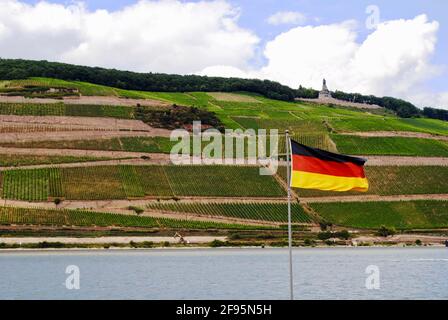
(390, 124)
(390, 146)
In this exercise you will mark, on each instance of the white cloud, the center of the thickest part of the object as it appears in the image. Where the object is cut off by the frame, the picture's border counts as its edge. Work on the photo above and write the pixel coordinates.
(159, 36)
(2, 29)
(225, 71)
(426, 98)
(287, 17)
(395, 59)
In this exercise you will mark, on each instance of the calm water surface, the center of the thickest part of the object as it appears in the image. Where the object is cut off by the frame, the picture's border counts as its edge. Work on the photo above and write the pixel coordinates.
(334, 273)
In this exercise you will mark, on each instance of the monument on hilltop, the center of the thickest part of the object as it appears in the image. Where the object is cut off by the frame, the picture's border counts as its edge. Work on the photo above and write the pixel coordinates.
(324, 93)
(325, 98)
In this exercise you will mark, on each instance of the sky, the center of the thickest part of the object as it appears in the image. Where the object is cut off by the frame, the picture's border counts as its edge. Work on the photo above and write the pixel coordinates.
(386, 48)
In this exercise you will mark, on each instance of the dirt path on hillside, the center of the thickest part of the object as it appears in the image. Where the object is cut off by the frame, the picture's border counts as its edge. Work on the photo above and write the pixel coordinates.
(26, 128)
(161, 158)
(367, 198)
(156, 159)
(113, 205)
(73, 122)
(78, 153)
(78, 135)
(405, 161)
(405, 134)
(101, 240)
(95, 100)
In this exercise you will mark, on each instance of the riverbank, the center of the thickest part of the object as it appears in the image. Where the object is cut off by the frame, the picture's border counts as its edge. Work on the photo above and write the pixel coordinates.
(149, 242)
(103, 240)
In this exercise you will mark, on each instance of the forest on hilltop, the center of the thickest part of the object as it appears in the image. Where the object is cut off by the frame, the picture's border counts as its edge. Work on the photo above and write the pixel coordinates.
(22, 69)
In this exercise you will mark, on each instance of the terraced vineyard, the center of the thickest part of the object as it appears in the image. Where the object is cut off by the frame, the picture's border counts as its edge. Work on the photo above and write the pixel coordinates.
(222, 181)
(131, 144)
(150, 144)
(315, 140)
(274, 212)
(399, 214)
(390, 124)
(27, 216)
(92, 183)
(121, 182)
(154, 181)
(292, 124)
(44, 128)
(60, 109)
(391, 146)
(130, 181)
(30, 185)
(12, 160)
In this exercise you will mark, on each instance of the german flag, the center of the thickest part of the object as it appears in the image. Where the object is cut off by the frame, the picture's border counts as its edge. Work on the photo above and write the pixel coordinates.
(318, 169)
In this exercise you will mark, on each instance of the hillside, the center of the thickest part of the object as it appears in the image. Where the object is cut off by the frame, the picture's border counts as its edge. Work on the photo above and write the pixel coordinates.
(92, 158)
(16, 69)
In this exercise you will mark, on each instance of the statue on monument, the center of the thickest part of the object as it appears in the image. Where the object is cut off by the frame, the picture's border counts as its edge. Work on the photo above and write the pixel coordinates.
(324, 93)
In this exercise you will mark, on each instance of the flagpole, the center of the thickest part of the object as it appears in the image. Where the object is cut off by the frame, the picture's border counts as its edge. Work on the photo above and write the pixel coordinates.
(288, 174)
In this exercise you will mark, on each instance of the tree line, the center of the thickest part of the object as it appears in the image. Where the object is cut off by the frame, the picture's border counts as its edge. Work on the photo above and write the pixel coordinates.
(435, 113)
(11, 69)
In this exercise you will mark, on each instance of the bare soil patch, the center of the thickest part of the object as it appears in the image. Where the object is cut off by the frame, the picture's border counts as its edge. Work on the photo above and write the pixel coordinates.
(404, 134)
(232, 97)
(71, 152)
(76, 122)
(405, 161)
(95, 100)
(122, 205)
(155, 159)
(77, 135)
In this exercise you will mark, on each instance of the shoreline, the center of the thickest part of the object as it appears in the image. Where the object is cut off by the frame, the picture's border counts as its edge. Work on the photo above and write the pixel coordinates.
(57, 243)
(207, 248)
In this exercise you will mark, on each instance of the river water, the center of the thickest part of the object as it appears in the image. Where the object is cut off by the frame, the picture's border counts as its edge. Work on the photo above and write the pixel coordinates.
(319, 273)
